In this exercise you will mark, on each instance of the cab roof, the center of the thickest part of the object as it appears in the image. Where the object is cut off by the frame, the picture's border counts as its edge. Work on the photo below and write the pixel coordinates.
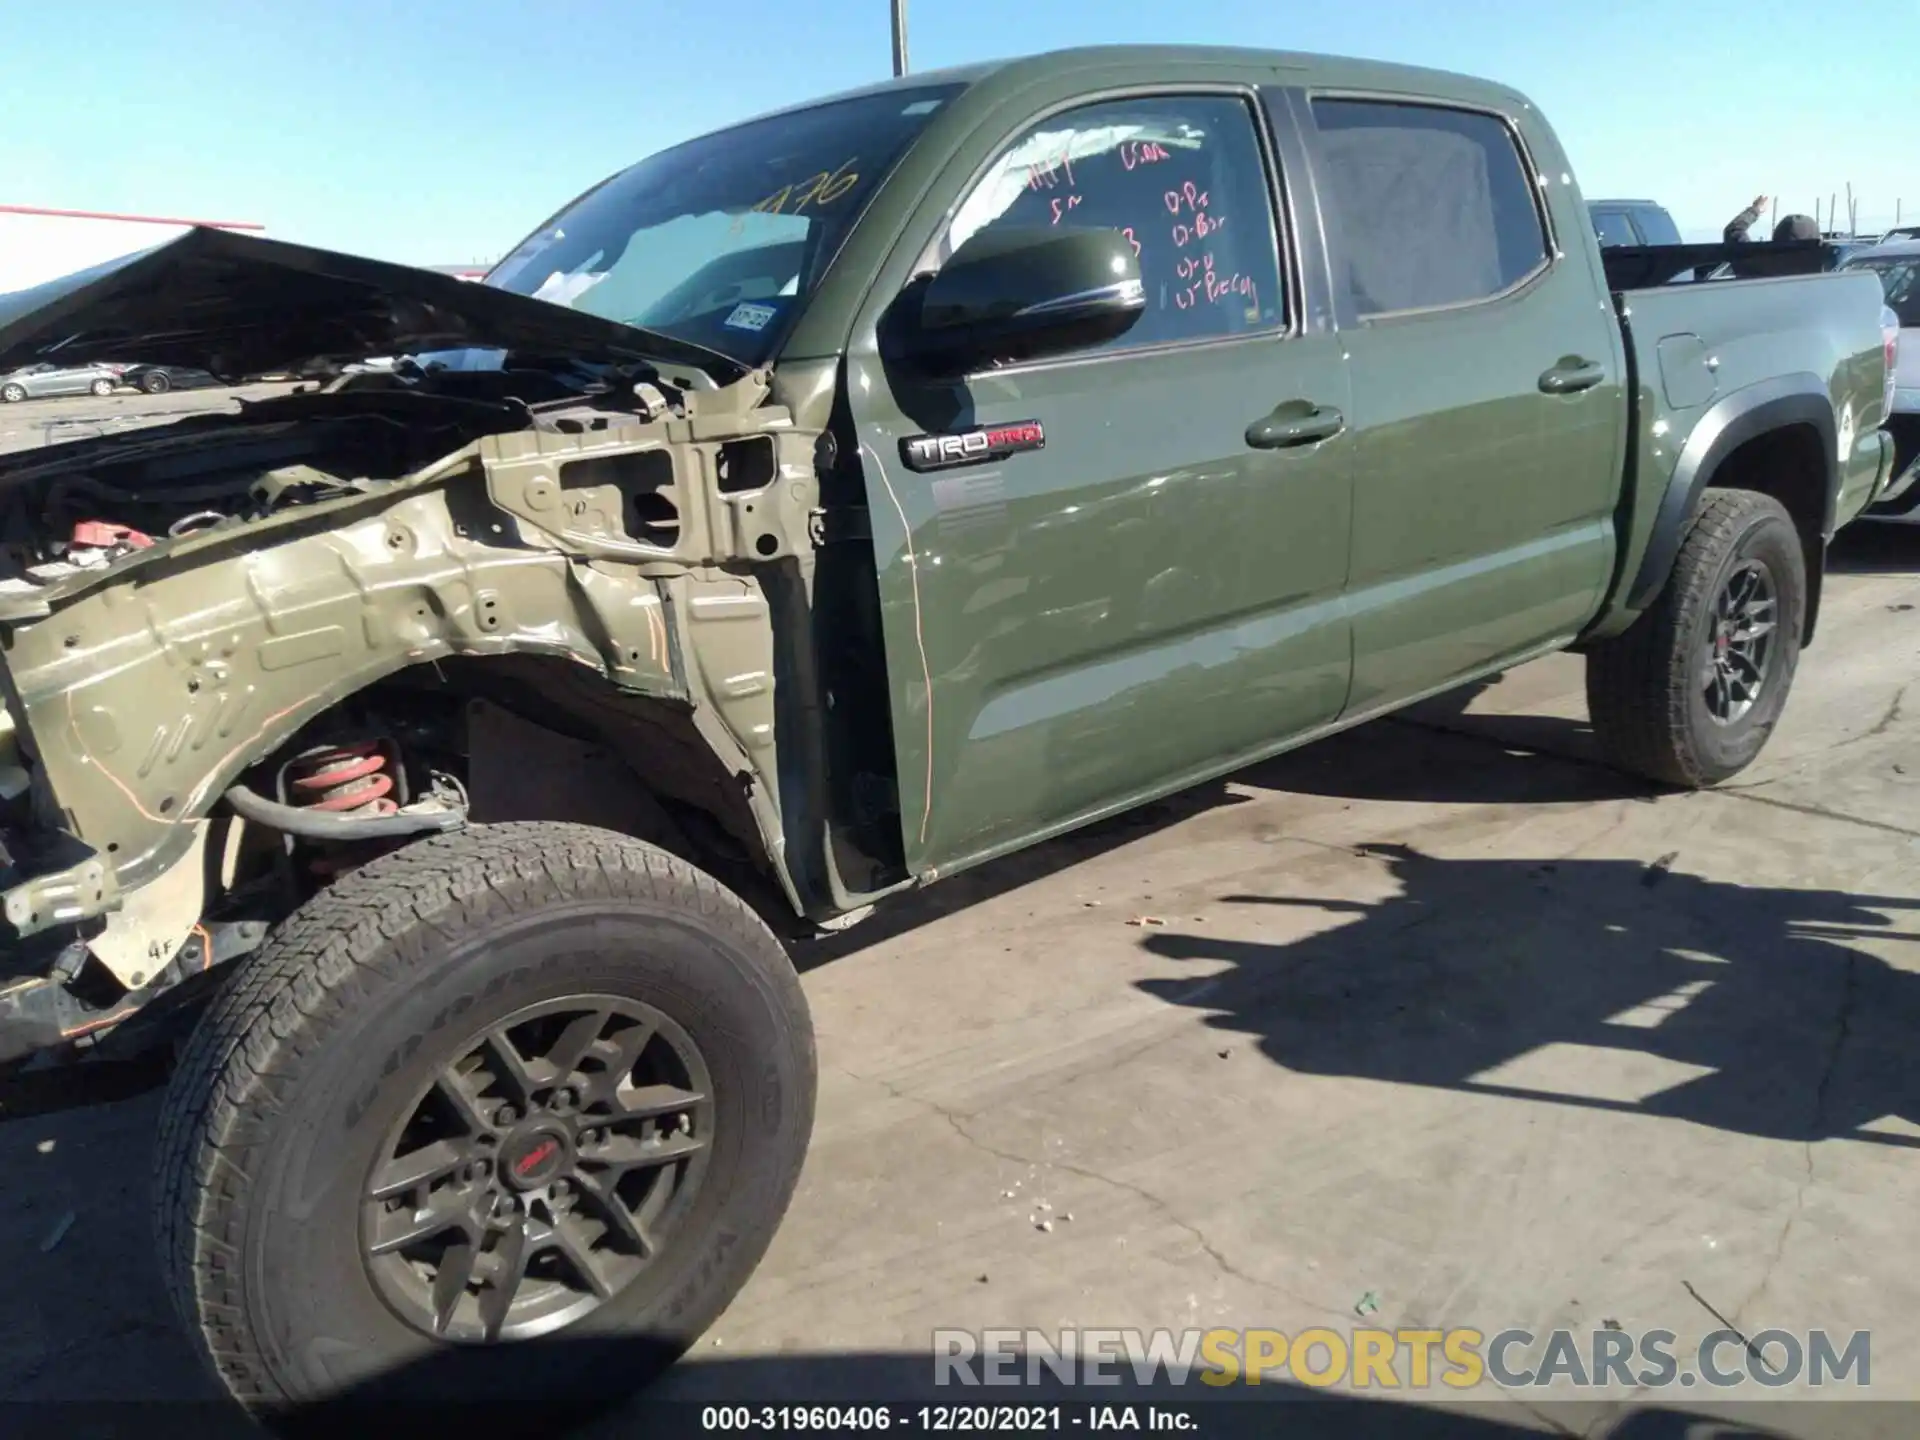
(1298, 67)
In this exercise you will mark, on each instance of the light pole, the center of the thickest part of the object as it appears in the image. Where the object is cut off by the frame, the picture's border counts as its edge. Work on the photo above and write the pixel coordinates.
(899, 37)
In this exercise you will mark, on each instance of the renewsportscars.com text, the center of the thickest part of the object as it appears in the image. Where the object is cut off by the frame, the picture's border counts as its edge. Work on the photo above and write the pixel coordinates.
(1394, 1359)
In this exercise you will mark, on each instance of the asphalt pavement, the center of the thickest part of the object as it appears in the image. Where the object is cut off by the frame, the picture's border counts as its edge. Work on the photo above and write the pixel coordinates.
(28, 424)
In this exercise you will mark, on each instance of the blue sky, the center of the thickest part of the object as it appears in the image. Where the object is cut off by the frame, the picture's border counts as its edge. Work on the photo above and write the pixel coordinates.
(432, 131)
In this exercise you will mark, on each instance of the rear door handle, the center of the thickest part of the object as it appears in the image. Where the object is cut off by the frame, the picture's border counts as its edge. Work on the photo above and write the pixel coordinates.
(1298, 422)
(1571, 375)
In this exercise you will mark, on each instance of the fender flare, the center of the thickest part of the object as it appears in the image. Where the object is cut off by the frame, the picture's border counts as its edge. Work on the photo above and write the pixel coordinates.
(1797, 399)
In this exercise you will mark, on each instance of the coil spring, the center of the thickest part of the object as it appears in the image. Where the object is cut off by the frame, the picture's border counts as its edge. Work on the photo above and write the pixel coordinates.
(344, 779)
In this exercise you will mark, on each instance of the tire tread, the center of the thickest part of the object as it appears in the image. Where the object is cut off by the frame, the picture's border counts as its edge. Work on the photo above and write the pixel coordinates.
(1639, 685)
(228, 1086)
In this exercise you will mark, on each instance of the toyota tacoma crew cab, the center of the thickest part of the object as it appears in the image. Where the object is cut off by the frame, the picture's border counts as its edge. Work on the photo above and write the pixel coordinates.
(815, 509)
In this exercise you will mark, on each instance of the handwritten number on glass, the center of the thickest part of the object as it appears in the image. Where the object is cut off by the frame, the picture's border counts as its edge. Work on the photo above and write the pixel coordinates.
(816, 191)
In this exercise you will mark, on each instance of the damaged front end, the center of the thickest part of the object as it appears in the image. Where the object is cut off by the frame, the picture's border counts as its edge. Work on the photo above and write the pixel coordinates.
(244, 652)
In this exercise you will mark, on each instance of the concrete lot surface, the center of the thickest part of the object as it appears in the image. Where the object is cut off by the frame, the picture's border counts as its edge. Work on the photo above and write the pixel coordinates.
(32, 423)
(1437, 1021)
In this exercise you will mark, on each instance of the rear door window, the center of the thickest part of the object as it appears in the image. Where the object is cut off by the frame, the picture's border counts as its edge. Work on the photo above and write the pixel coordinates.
(1429, 206)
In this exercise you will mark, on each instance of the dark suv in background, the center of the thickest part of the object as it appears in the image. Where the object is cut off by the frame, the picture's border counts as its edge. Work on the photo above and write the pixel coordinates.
(158, 379)
(1632, 222)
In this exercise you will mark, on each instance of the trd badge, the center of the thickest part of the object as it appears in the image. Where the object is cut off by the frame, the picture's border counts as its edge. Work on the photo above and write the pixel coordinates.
(972, 447)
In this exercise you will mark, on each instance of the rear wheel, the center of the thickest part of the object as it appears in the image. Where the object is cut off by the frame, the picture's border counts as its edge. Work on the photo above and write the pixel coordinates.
(506, 1116)
(155, 382)
(13, 394)
(1689, 694)
(101, 387)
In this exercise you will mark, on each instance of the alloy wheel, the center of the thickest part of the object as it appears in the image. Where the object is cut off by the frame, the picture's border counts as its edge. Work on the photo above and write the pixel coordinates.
(1740, 642)
(541, 1173)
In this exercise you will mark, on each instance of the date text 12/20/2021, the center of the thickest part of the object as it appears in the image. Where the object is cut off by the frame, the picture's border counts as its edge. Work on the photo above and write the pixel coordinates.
(942, 1419)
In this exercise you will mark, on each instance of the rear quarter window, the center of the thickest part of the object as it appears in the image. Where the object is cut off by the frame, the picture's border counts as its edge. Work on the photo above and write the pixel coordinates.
(1429, 206)
(1657, 226)
(1614, 228)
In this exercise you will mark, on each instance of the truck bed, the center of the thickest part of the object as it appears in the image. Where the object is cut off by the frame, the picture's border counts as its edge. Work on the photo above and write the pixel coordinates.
(1638, 267)
(1701, 356)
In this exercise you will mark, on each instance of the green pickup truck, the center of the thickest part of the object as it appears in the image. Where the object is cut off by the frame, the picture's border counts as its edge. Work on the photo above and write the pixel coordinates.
(812, 510)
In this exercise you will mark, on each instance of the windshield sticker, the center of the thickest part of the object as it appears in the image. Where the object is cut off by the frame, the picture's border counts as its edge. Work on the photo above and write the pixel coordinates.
(748, 316)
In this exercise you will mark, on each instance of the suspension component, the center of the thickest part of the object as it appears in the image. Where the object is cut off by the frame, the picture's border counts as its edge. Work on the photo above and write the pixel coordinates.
(355, 779)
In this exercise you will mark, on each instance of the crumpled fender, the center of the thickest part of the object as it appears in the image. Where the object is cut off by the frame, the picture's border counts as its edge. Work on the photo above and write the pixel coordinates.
(628, 551)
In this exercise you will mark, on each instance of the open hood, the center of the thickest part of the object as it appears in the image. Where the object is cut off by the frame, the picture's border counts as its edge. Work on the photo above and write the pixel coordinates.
(238, 306)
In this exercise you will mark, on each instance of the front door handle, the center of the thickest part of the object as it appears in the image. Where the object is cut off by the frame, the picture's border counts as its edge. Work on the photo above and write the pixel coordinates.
(1298, 422)
(1571, 375)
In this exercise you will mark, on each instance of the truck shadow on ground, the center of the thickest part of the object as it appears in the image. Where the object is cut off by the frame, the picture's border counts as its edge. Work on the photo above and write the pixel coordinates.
(1436, 753)
(1876, 550)
(1604, 984)
(989, 882)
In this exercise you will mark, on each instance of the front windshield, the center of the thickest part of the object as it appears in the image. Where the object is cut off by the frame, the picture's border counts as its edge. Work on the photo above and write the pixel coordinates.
(718, 241)
(1900, 281)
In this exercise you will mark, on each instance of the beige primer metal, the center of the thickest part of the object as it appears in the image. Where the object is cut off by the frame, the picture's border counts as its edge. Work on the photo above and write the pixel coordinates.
(140, 938)
(146, 700)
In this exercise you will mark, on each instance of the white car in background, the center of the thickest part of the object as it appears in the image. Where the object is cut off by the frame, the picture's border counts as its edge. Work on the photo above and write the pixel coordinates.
(39, 381)
(1898, 265)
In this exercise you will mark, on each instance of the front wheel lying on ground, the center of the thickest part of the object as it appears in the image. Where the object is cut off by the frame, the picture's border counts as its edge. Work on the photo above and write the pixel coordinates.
(1690, 692)
(507, 1115)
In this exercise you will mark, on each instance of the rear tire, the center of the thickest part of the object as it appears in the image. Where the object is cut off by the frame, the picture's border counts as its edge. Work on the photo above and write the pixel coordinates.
(102, 388)
(390, 1012)
(1688, 695)
(13, 394)
(155, 382)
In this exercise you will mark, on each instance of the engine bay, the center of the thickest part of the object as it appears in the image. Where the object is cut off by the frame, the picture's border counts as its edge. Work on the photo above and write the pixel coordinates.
(89, 505)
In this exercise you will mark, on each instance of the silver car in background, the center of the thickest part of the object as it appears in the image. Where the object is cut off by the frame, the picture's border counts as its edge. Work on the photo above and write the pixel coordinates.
(1898, 265)
(38, 381)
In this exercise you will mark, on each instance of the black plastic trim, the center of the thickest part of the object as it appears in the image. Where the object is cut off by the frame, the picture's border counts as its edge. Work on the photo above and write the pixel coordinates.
(1302, 213)
(1799, 399)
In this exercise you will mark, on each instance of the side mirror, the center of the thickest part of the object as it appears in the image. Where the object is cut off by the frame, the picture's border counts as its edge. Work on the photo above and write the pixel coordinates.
(1020, 294)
